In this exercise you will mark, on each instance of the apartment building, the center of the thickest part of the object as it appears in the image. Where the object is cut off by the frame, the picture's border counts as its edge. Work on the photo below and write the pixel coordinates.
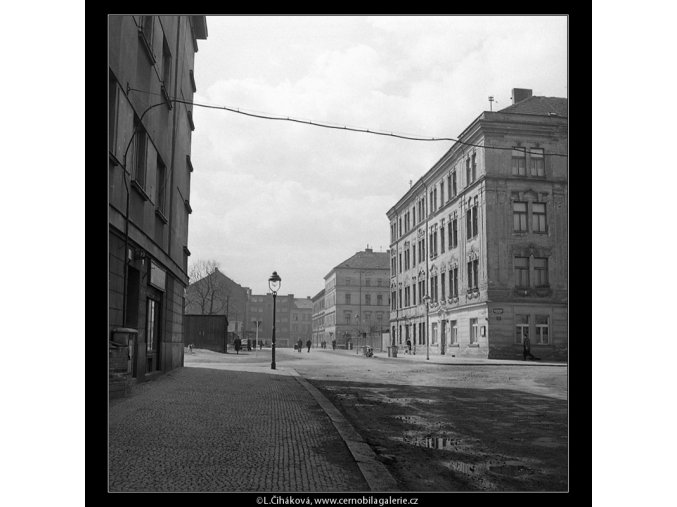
(356, 300)
(293, 319)
(484, 234)
(151, 62)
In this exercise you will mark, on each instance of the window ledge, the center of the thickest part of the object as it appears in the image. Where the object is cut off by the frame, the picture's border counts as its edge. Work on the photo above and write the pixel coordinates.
(165, 94)
(454, 345)
(137, 186)
(475, 345)
(146, 46)
(161, 215)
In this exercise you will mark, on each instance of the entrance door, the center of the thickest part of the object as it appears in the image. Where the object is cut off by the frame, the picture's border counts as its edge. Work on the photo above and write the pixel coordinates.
(443, 338)
(152, 335)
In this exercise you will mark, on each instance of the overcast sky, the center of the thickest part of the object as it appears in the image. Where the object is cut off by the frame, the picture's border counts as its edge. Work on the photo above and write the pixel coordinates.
(275, 195)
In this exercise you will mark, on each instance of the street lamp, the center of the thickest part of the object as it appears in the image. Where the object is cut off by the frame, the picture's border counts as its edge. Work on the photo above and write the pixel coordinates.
(426, 300)
(357, 326)
(274, 282)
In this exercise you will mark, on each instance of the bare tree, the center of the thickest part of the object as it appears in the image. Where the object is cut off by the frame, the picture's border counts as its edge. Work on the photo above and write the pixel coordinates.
(207, 291)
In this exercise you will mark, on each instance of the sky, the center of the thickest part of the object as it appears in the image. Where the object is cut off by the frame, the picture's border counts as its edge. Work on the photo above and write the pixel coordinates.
(281, 196)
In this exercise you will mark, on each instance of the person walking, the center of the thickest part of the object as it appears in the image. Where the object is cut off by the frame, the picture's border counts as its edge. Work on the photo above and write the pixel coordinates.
(238, 343)
(260, 344)
(300, 345)
(333, 344)
(526, 349)
(308, 344)
(409, 346)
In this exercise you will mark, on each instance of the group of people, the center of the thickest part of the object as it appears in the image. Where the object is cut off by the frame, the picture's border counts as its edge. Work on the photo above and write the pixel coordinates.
(299, 345)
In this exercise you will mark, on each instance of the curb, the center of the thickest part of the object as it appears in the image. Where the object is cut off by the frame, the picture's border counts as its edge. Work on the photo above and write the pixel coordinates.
(375, 473)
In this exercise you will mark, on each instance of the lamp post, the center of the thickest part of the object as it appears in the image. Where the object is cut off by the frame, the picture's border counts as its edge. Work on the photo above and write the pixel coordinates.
(258, 323)
(357, 326)
(426, 299)
(274, 283)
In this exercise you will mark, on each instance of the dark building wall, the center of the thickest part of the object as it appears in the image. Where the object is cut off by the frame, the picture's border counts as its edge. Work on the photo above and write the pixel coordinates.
(144, 71)
(205, 331)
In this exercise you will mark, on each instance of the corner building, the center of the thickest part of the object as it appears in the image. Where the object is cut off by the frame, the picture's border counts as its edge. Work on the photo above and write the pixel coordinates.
(484, 233)
(151, 63)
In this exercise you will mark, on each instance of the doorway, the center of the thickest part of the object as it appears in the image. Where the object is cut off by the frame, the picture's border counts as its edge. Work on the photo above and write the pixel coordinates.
(443, 338)
(152, 335)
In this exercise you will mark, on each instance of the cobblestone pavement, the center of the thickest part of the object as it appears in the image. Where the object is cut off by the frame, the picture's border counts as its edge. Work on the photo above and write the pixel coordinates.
(206, 430)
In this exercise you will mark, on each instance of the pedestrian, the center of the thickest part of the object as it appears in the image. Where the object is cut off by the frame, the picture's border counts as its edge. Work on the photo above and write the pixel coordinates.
(260, 344)
(308, 344)
(299, 344)
(409, 346)
(190, 347)
(526, 349)
(249, 345)
(238, 343)
(333, 344)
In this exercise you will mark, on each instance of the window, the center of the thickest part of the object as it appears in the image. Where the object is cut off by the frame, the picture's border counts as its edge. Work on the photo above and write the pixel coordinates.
(468, 174)
(399, 298)
(519, 162)
(542, 331)
(413, 255)
(471, 219)
(521, 328)
(538, 217)
(442, 239)
(454, 188)
(433, 288)
(536, 162)
(474, 167)
(519, 215)
(441, 193)
(400, 261)
(379, 299)
(473, 271)
(166, 65)
(367, 282)
(453, 233)
(453, 333)
(147, 29)
(407, 294)
(413, 215)
(393, 301)
(400, 227)
(521, 272)
(432, 203)
(449, 194)
(151, 328)
(140, 148)
(453, 282)
(406, 259)
(346, 316)
(413, 294)
(161, 184)
(473, 331)
(433, 334)
(541, 271)
(367, 299)
(348, 299)
(443, 285)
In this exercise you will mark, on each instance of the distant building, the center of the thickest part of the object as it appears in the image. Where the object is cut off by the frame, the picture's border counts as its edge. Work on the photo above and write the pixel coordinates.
(217, 294)
(356, 300)
(319, 334)
(293, 320)
(484, 233)
(151, 60)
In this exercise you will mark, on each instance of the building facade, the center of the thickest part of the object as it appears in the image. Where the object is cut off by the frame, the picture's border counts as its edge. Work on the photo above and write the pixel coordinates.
(319, 335)
(151, 62)
(293, 319)
(484, 234)
(356, 300)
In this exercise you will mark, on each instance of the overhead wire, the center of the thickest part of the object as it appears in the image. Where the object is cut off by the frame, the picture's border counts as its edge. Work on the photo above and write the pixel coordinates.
(351, 129)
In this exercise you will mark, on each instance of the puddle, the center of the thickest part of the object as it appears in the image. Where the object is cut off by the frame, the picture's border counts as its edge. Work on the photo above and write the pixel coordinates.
(440, 443)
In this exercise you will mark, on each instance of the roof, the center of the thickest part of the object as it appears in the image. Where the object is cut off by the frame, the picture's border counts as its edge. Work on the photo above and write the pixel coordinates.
(540, 106)
(303, 303)
(367, 260)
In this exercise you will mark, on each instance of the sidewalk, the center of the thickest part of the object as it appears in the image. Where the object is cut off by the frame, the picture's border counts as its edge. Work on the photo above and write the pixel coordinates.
(420, 356)
(203, 429)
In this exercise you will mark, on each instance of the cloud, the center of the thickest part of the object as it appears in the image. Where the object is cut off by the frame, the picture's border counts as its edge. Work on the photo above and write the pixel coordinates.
(300, 199)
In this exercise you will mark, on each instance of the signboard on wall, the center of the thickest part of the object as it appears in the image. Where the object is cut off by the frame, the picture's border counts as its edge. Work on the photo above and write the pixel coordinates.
(157, 276)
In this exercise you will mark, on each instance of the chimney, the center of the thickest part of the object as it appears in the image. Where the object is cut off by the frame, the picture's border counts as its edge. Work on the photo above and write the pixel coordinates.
(368, 250)
(520, 94)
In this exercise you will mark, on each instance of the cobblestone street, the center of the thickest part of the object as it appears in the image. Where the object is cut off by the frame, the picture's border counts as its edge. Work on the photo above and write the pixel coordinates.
(201, 429)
